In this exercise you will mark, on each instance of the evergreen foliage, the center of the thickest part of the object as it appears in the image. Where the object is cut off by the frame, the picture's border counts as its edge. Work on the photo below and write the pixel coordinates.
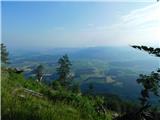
(64, 71)
(150, 84)
(4, 54)
(150, 50)
(39, 72)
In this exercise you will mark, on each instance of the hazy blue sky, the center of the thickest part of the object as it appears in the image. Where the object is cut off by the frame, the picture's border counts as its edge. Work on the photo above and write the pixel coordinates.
(80, 24)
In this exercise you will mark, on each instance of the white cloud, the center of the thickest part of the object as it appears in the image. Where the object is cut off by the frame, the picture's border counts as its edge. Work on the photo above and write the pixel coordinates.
(140, 26)
(143, 24)
(143, 16)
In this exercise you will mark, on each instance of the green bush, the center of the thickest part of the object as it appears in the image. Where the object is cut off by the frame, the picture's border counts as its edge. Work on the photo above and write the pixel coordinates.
(56, 85)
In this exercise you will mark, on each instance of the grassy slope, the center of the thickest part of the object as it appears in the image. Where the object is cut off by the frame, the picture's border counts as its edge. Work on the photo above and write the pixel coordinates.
(19, 105)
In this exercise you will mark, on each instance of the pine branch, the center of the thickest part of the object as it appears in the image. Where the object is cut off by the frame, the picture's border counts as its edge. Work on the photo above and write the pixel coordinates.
(150, 50)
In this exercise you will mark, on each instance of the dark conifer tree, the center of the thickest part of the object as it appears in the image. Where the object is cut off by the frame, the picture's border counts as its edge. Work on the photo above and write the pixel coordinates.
(64, 71)
(150, 84)
(4, 54)
(39, 73)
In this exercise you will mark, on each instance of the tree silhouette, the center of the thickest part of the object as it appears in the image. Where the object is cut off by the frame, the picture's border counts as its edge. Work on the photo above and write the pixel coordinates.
(64, 70)
(39, 73)
(150, 83)
(150, 50)
(4, 54)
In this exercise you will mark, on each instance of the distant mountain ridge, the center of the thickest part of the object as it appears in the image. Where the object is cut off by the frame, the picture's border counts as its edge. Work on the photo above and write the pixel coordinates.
(105, 53)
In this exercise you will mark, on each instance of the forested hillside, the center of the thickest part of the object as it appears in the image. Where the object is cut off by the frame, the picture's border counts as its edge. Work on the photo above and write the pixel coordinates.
(32, 98)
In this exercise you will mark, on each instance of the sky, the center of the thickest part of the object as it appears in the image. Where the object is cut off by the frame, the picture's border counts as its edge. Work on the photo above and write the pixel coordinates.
(80, 24)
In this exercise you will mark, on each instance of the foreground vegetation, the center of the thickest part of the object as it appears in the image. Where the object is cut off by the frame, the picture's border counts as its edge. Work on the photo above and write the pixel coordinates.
(31, 99)
(27, 99)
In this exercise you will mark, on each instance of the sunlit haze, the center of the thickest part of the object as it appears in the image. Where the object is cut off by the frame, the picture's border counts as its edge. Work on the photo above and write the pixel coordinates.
(80, 24)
